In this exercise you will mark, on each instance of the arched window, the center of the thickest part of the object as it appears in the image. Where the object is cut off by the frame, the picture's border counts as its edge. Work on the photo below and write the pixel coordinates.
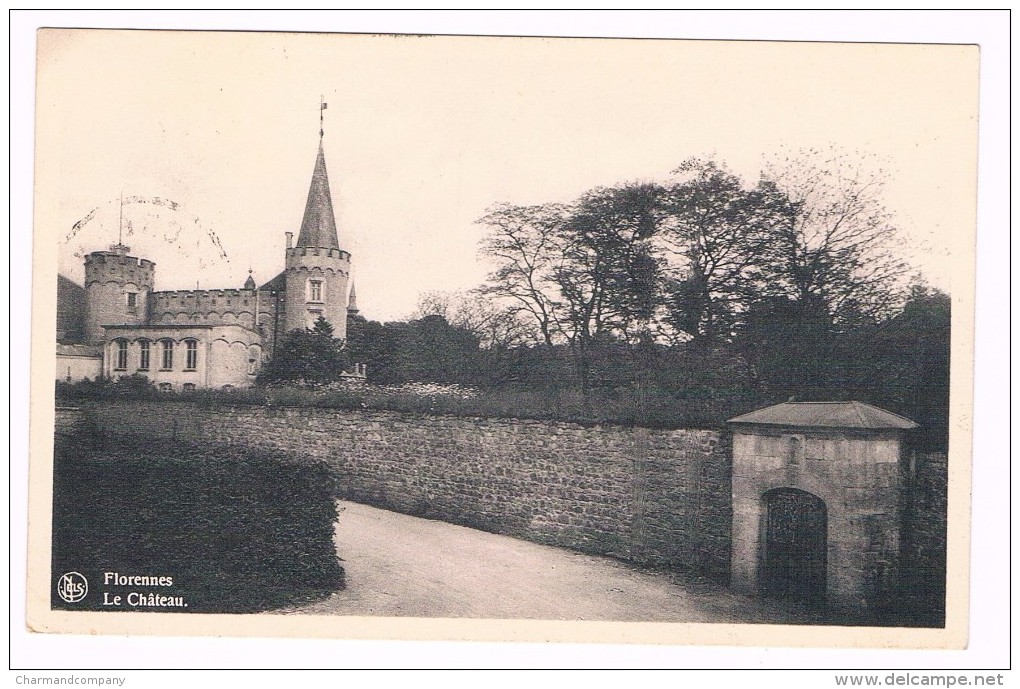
(120, 355)
(191, 360)
(167, 362)
(254, 355)
(144, 349)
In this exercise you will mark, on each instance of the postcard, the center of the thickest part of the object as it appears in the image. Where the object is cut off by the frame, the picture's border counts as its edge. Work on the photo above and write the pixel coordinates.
(502, 339)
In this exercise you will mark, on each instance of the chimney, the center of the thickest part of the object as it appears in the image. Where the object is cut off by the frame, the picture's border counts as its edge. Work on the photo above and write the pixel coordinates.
(290, 239)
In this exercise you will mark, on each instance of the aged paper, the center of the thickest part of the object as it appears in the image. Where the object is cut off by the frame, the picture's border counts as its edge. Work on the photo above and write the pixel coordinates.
(207, 141)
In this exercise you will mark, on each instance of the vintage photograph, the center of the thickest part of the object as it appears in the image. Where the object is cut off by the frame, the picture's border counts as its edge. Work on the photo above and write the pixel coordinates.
(453, 329)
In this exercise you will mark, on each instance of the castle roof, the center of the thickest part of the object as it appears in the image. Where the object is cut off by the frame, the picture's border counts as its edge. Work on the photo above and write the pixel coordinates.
(318, 226)
(277, 284)
(826, 415)
(352, 301)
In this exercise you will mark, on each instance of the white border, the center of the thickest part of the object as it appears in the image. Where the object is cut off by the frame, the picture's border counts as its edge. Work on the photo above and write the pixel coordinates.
(989, 645)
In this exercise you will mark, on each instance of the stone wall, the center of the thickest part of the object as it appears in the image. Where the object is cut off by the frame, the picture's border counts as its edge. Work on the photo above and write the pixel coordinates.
(923, 552)
(648, 496)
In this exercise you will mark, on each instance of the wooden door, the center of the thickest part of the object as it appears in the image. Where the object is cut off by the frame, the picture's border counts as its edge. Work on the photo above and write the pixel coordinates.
(794, 557)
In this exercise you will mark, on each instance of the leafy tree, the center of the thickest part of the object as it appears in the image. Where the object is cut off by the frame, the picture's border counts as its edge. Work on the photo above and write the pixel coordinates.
(310, 357)
(428, 349)
(715, 238)
(903, 362)
(790, 285)
(376, 345)
(433, 350)
(788, 345)
(608, 274)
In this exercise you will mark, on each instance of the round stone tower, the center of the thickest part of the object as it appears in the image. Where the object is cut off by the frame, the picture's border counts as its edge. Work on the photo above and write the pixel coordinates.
(317, 270)
(117, 288)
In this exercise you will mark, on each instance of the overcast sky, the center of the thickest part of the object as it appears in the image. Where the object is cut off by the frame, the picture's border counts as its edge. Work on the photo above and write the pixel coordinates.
(424, 133)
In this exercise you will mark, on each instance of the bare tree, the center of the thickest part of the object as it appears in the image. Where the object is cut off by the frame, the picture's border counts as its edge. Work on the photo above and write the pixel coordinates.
(524, 242)
(840, 246)
(495, 325)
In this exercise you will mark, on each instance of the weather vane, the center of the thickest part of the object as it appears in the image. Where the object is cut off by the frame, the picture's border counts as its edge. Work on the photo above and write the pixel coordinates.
(322, 106)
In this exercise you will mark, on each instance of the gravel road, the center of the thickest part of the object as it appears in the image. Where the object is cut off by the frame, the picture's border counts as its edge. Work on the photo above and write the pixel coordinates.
(399, 565)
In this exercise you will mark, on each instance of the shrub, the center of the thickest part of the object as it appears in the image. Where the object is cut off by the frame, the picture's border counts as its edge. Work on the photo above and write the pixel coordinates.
(134, 386)
(308, 357)
(237, 531)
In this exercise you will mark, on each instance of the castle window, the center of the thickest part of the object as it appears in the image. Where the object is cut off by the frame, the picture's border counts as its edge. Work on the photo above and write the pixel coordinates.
(188, 387)
(143, 358)
(120, 364)
(132, 301)
(254, 355)
(315, 290)
(191, 362)
(168, 355)
(166, 387)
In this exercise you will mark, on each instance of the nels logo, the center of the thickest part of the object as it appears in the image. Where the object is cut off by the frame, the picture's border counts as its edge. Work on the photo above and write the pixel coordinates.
(72, 587)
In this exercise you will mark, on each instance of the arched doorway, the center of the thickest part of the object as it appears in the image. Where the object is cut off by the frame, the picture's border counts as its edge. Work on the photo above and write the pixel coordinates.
(793, 555)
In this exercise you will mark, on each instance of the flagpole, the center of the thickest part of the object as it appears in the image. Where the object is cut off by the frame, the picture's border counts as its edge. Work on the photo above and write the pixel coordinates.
(322, 106)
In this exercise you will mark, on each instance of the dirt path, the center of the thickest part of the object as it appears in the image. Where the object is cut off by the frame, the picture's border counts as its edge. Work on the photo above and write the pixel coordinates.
(405, 566)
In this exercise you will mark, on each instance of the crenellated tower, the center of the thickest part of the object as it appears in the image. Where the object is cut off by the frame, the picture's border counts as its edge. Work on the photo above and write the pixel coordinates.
(317, 270)
(117, 288)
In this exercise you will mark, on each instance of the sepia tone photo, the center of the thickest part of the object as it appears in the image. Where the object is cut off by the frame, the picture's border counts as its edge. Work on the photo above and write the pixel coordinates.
(502, 338)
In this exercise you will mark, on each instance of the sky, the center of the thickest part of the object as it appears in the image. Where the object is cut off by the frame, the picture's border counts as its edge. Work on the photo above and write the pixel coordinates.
(210, 139)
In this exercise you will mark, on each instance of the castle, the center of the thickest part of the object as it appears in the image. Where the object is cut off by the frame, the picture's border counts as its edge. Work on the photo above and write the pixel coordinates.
(118, 324)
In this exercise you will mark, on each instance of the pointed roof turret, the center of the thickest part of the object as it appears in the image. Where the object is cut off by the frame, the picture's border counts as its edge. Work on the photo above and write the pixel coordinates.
(352, 302)
(250, 282)
(318, 226)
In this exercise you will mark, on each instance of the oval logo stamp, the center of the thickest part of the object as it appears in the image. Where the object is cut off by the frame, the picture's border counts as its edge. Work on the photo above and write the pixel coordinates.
(72, 587)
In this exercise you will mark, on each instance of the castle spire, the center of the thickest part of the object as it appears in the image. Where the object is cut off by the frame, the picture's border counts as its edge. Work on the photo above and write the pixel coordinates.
(318, 226)
(352, 302)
